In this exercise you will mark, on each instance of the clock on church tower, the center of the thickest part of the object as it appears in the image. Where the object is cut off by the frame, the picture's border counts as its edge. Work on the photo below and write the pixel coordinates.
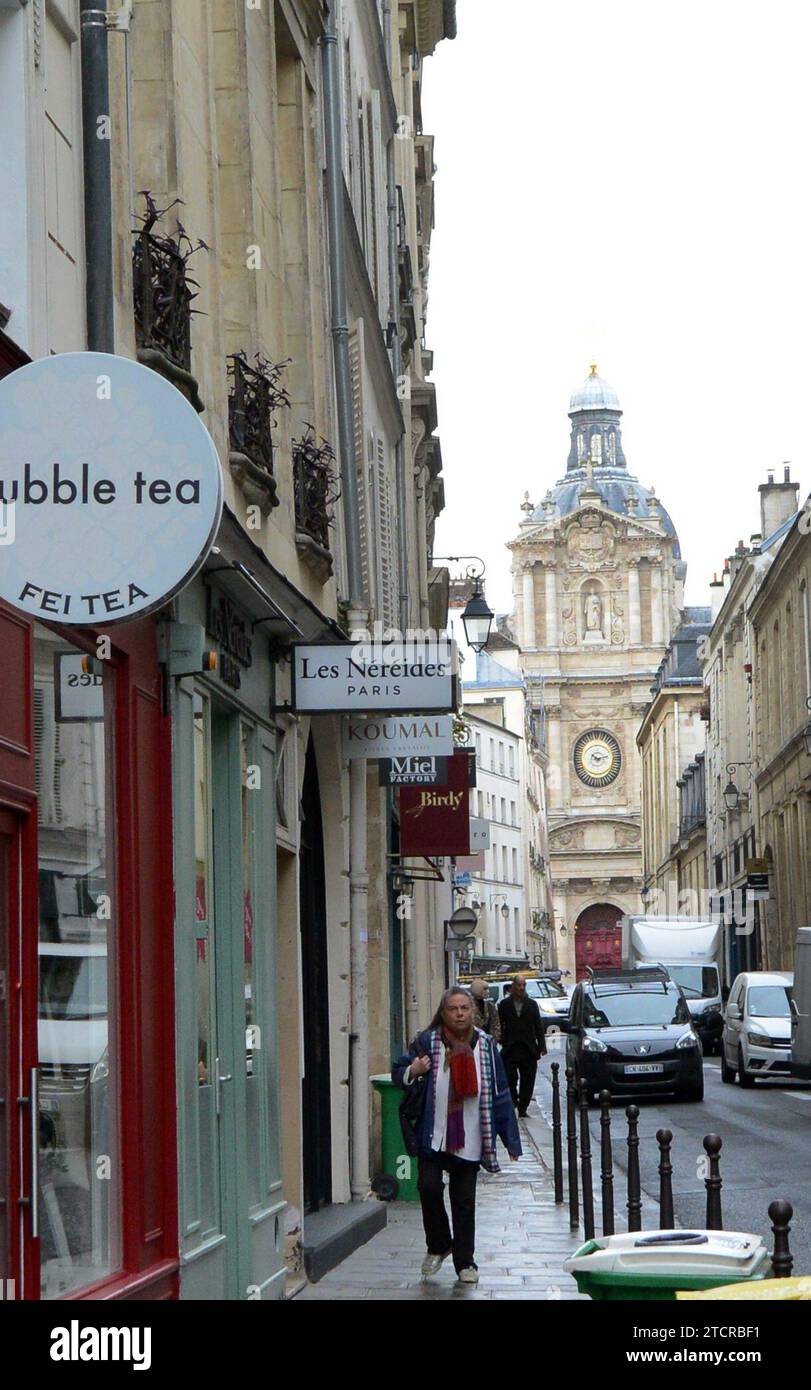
(597, 758)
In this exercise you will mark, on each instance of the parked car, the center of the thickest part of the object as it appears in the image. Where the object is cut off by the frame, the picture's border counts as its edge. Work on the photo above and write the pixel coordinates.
(801, 1007)
(757, 1027)
(549, 995)
(630, 1032)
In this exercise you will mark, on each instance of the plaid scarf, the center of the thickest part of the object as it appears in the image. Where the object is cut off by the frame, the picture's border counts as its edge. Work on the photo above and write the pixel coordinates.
(486, 1092)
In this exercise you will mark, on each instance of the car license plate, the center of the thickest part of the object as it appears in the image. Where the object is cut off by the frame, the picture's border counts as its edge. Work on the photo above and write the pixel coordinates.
(643, 1067)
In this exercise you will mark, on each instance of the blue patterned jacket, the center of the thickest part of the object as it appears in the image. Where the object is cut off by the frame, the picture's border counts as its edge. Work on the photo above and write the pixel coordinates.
(498, 1114)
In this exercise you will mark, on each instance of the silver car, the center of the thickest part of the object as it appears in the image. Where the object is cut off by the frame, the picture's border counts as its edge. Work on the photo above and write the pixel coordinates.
(757, 1027)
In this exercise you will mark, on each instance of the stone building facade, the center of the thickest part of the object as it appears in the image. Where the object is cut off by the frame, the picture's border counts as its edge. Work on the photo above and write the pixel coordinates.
(671, 746)
(780, 615)
(239, 1059)
(598, 590)
(740, 740)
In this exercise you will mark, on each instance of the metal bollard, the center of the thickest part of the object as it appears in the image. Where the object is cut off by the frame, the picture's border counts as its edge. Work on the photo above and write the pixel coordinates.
(557, 1142)
(780, 1214)
(585, 1165)
(664, 1139)
(634, 1184)
(712, 1147)
(571, 1151)
(606, 1164)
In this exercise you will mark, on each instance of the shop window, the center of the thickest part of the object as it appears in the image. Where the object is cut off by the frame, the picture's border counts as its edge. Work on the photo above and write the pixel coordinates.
(79, 1167)
(204, 967)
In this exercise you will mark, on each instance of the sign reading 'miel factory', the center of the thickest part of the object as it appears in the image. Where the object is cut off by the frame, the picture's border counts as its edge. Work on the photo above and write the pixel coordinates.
(347, 677)
(110, 489)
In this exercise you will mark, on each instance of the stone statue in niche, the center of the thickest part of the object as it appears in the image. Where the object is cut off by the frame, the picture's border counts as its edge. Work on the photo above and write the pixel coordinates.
(593, 617)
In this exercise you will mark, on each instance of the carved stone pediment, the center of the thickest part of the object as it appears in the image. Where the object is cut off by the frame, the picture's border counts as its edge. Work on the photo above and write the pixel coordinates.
(590, 539)
(595, 834)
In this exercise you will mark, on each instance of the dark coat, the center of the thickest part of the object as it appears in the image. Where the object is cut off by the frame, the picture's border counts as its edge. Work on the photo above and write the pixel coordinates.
(504, 1123)
(521, 1030)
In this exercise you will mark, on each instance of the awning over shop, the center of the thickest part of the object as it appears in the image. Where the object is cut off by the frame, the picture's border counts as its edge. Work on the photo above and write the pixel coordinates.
(245, 574)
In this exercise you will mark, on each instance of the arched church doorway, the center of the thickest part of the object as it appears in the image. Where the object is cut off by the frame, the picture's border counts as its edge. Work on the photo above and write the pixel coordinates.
(598, 939)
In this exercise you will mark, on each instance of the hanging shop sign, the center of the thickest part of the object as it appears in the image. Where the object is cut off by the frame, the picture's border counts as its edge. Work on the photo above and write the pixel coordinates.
(436, 820)
(110, 489)
(398, 772)
(78, 694)
(344, 677)
(232, 634)
(400, 736)
(479, 834)
(757, 880)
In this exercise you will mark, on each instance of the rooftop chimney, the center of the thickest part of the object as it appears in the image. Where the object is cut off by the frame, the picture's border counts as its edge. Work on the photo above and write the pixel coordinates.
(778, 501)
(716, 595)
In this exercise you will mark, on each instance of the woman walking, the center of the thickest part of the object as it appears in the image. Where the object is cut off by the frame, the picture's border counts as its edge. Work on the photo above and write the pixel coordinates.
(467, 1103)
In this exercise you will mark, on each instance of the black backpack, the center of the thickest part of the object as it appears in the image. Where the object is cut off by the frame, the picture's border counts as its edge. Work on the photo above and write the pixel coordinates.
(412, 1109)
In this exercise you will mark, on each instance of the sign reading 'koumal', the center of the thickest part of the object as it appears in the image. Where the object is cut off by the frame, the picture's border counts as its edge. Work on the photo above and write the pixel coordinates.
(110, 489)
(400, 736)
(436, 820)
(344, 677)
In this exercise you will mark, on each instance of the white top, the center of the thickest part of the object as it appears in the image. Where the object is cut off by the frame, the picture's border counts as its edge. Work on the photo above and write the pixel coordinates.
(470, 1113)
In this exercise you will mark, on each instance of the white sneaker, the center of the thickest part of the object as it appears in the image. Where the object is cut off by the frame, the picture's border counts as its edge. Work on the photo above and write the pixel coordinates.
(432, 1264)
(469, 1275)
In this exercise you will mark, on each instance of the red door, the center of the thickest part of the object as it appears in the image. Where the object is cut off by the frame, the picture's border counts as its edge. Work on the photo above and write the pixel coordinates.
(19, 1265)
(598, 939)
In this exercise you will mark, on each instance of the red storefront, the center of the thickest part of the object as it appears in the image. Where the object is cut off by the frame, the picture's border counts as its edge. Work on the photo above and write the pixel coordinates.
(86, 962)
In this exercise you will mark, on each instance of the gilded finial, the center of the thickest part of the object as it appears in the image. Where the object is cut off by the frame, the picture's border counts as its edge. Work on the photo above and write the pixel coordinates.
(594, 369)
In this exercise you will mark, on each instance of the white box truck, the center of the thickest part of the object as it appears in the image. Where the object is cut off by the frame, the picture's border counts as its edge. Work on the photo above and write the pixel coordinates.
(688, 948)
(801, 1007)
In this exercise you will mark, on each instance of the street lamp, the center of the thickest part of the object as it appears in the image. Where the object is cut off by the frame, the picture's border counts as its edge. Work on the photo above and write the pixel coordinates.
(807, 729)
(477, 620)
(731, 794)
(477, 617)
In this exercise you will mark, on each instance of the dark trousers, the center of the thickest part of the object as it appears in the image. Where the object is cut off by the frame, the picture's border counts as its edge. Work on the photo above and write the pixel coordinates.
(462, 1176)
(521, 1068)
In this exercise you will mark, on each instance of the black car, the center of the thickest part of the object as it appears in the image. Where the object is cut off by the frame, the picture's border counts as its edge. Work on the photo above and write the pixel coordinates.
(630, 1033)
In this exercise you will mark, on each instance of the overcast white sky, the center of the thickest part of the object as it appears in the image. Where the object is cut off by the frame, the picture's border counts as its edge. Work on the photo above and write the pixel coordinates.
(622, 181)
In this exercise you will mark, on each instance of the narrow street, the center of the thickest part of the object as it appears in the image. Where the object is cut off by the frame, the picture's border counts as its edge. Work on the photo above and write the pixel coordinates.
(765, 1154)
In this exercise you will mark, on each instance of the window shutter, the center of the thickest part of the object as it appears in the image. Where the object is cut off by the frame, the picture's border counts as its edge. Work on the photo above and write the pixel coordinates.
(48, 750)
(380, 210)
(385, 535)
(356, 372)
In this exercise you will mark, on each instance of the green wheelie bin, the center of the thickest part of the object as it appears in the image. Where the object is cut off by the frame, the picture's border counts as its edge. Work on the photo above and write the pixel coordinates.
(398, 1175)
(658, 1264)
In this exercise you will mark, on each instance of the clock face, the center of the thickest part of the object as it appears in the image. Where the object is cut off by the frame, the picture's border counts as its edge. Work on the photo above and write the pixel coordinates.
(597, 758)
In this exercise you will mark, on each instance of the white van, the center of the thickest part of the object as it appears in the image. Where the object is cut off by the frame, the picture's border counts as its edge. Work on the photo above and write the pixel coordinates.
(801, 1007)
(757, 1028)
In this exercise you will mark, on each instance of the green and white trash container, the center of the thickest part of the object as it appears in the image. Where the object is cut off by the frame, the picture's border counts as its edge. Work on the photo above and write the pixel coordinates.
(398, 1175)
(655, 1264)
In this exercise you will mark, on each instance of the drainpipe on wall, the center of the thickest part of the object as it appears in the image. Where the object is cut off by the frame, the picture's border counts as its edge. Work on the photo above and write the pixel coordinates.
(98, 207)
(358, 618)
(409, 925)
(396, 349)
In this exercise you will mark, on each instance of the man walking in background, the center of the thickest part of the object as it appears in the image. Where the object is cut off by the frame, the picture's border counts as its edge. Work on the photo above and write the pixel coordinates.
(485, 1013)
(522, 1042)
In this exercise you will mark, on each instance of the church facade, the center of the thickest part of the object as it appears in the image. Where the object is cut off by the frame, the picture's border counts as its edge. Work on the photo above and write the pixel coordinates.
(598, 584)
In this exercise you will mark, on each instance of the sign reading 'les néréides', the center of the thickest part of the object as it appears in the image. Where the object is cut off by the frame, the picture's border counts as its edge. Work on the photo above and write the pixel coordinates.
(110, 489)
(353, 676)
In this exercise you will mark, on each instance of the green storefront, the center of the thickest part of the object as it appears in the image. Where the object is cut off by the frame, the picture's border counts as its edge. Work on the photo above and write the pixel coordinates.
(231, 1208)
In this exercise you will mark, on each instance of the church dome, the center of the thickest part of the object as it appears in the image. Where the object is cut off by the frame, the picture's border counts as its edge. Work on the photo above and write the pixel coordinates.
(594, 394)
(597, 461)
(619, 492)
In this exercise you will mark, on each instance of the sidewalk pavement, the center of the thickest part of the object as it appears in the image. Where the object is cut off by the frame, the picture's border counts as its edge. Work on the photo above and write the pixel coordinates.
(522, 1239)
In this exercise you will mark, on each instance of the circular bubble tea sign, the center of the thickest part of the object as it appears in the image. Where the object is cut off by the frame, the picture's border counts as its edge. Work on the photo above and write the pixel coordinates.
(110, 489)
